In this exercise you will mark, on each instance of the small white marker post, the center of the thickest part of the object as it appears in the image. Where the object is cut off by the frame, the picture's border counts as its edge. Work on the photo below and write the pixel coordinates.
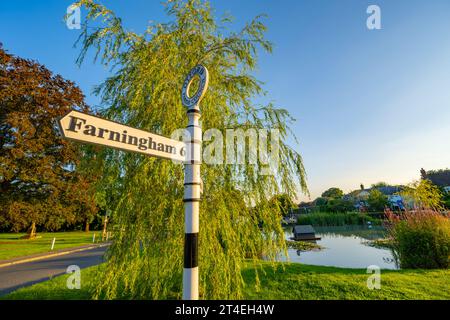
(53, 243)
(93, 238)
(192, 180)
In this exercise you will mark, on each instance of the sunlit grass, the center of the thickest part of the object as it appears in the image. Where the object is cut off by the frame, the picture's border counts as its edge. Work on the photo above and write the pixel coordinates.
(11, 244)
(293, 282)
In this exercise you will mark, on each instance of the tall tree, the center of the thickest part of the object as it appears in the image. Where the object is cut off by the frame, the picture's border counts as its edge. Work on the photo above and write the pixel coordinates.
(441, 177)
(38, 184)
(334, 193)
(145, 260)
(423, 174)
(380, 184)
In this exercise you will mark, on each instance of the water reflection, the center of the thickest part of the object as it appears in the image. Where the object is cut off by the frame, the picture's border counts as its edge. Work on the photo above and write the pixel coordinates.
(345, 246)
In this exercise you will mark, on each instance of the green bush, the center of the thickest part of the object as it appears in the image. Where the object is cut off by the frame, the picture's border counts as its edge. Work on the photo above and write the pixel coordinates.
(339, 205)
(336, 219)
(446, 200)
(377, 200)
(421, 239)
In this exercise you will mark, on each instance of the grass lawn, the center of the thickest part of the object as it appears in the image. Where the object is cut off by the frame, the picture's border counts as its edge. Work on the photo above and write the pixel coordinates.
(295, 282)
(11, 246)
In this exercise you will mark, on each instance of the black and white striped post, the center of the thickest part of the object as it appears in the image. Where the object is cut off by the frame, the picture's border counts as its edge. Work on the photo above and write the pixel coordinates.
(192, 180)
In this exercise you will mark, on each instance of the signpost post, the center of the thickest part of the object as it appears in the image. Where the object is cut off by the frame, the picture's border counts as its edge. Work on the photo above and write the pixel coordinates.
(82, 127)
(192, 180)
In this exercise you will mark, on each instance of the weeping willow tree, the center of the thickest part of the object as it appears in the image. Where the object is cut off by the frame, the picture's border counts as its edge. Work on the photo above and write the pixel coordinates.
(237, 223)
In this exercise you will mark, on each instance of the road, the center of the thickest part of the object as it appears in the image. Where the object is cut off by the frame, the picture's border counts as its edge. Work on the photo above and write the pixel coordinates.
(28, 273)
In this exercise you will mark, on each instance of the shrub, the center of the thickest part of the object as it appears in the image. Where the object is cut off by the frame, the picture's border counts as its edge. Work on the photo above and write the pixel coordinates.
(424, 195)
(421, 239)
(377, 200)
(339, 205)
(446, 200)
(335, 219)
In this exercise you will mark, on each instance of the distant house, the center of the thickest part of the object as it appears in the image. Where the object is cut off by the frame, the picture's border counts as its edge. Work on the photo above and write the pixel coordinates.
(363, 194)
(396, 202)
(359, 197)
(389, 190)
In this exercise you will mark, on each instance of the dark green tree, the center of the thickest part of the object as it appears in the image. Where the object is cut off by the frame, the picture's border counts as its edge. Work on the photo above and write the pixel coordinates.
(334, 193)
(380, 184)
(441, 177)
(321, 203)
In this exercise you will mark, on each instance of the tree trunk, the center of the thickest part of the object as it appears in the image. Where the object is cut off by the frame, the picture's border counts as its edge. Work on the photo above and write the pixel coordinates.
(86, 227)
(31, 234)
(104, 229)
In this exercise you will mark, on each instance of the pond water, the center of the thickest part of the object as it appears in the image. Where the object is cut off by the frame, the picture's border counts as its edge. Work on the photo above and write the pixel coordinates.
(345, 246)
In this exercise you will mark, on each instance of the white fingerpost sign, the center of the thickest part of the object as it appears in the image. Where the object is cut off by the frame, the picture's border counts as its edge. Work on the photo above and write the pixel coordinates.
(192, 180)
(82, 127)
(91, 129)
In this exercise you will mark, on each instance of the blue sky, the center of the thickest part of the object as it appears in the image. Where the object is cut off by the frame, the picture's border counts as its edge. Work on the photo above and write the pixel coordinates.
(371, 105)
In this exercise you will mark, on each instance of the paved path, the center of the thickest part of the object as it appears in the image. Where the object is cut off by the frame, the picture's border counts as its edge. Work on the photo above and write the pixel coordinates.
(28, 273)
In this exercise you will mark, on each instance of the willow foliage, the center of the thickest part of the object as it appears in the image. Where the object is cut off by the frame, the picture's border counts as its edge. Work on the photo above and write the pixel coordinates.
(237, 221)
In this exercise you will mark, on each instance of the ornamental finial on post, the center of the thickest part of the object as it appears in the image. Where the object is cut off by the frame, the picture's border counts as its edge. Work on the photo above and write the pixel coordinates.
(192, 101)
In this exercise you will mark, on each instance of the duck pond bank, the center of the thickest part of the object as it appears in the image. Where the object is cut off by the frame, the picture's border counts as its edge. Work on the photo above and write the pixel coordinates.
(346, 247)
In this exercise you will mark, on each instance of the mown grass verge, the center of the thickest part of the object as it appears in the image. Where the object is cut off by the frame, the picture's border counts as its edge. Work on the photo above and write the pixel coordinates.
(12, 246)
(287, 281)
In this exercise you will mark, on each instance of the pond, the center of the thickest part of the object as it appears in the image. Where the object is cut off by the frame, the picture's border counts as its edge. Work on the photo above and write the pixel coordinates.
(345, 246)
